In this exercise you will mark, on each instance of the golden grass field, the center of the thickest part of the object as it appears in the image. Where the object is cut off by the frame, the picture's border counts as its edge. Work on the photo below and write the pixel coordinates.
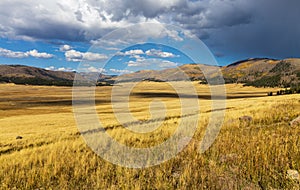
(53, 154)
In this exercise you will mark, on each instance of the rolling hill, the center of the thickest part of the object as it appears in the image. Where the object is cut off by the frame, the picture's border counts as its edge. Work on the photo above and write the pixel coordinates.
(20, 74)
(264, 72)
(254, 72)
(260, 72)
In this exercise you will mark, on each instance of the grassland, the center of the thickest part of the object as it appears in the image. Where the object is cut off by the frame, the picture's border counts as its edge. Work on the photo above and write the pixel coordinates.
(53, 155)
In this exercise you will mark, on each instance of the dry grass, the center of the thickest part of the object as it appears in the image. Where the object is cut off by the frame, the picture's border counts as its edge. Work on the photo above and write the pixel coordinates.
(53, 155)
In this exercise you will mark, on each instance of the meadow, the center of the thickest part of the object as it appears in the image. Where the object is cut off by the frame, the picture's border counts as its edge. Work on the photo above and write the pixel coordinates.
(52, 154)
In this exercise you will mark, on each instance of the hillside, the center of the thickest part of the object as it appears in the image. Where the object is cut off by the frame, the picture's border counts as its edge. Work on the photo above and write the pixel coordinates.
(20, 74)
(183, 72)
(253, 72)
(259, 72)
(264, 72)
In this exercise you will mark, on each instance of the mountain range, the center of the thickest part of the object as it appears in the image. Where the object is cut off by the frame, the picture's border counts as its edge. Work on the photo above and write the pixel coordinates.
(260, 72)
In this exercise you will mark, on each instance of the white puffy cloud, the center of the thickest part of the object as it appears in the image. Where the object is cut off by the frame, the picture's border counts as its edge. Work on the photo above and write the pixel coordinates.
(132, 52)
(12, 54)
(120, 71)
(53, 68)
(159, 53)
(137, 53)
(96, 70)
(19, 54)
(138, 63)
(35, 53)
(65, 47)
(64, 69)
(77, 56)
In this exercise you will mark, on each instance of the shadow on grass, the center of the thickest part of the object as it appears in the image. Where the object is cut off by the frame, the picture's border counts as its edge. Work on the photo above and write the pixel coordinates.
(41, 102)
(204, 97)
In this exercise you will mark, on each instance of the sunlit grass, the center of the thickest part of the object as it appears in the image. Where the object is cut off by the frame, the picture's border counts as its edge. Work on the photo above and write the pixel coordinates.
(52, 155)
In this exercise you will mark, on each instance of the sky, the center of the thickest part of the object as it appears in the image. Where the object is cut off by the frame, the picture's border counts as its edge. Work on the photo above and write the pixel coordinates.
(62, 35)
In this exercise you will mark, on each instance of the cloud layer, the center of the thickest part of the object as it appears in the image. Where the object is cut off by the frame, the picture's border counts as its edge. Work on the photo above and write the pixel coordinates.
(77, 56)
(136, 53)
(268, 27)
(17, 54)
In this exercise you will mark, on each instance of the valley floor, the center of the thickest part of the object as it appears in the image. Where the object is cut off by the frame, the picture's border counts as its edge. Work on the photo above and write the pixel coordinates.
(254, 154)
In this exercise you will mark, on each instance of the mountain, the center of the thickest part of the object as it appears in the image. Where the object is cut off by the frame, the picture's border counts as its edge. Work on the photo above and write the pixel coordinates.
(255, 72)
(260, 72)
(20, 74)
(264, 72)
(183, 72)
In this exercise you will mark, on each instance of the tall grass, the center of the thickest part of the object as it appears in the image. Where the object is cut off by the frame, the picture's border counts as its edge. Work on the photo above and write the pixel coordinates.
(246, 155)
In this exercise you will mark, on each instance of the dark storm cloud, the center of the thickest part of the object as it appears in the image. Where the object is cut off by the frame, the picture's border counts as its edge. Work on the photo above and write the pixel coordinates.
(273, 32)
(250, 28)
(151, 9)
(49, 30)
(214, 14)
